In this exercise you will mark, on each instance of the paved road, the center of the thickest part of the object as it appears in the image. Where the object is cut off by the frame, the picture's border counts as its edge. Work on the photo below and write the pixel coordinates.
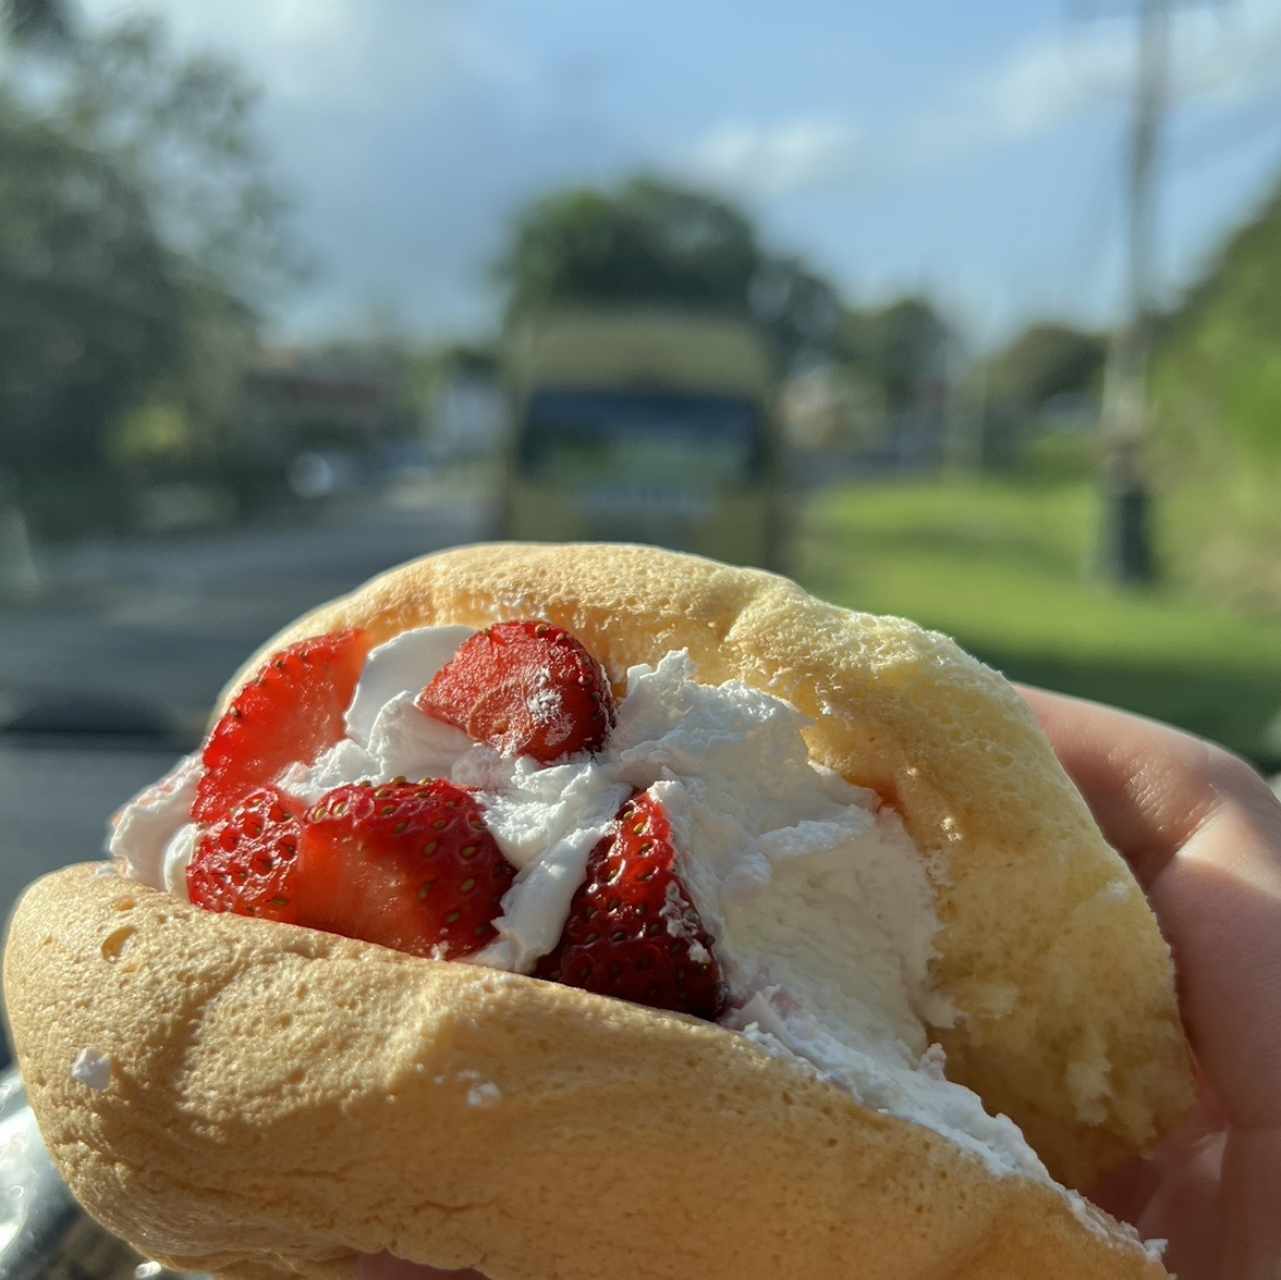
(163, 626)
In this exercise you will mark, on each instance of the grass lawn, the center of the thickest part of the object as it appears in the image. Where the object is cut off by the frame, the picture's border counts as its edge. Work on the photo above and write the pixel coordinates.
(1001, 565)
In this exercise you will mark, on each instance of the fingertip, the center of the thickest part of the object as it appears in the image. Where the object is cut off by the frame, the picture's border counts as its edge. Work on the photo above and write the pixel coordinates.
(1148, 785)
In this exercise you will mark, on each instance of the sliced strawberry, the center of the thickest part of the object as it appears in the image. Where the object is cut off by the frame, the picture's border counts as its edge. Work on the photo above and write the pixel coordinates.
(528, 688)
(290, 712)
(409, 865)
(632, 931)
(248, 861)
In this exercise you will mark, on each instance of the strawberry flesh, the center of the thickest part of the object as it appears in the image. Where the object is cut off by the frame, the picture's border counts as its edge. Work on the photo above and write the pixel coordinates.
(632, 931)
(412, 866)
(527, 688)
(407, 865)
(247, 862)
(289, 713)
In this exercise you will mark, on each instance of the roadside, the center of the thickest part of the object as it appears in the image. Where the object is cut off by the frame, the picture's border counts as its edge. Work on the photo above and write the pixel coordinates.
(202, 550)
(1001, 565)
(159, 624)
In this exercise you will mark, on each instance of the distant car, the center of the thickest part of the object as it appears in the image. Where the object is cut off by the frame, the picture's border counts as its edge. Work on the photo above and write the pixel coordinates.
(644, 425)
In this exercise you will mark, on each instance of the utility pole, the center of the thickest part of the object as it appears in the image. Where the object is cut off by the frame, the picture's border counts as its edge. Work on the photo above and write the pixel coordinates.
(1126, 553)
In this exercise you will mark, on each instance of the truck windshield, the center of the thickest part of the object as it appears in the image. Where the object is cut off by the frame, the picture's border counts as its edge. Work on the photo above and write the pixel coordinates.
(684, 440)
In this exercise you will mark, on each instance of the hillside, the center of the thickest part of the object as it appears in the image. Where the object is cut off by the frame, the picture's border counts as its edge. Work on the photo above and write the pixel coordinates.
(1217, 422)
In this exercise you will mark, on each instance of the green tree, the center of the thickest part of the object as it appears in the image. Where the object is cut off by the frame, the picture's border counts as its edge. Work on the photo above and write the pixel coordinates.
(897, 348)
(1216, 420)
(140, 235)
(182, 127)
(90, 305)
(652, 242)
(37, 23)
(799, 306)
(1043, 361)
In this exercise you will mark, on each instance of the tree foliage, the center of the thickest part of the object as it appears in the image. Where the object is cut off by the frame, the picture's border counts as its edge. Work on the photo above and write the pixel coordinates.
(37, 22)
(1222, 348)
(898, 347)
(652, 242)
(1217, 418)
(1046, 360)
(182, 129)
(90, 309)
(140, 231)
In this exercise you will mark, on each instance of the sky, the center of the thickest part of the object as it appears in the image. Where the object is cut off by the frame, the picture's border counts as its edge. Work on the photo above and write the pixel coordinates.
(974, 151)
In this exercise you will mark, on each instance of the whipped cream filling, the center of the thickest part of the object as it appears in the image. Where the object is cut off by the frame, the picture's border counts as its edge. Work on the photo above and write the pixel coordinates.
(404, 664)
(143, 832)
(819, 904)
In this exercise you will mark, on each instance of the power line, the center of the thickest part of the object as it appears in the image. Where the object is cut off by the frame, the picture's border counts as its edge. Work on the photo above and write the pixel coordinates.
(1126, 553)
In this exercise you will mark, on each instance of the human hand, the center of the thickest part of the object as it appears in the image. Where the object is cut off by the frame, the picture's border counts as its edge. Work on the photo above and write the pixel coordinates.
(1202, 833)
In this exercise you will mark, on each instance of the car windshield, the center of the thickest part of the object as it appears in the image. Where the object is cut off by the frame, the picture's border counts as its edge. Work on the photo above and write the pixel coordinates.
(574, 439)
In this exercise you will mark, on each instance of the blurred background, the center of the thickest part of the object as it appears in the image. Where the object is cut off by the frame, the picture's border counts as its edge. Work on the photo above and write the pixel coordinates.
(968, 313)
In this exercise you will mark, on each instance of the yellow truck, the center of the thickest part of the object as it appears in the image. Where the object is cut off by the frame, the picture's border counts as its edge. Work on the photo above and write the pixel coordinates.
(643, 425)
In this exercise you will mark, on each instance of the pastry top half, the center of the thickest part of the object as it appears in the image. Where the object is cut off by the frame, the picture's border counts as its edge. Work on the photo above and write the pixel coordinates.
(281, 1098)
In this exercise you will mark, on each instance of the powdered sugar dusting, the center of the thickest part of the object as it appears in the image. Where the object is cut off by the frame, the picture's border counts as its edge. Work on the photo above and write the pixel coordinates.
(546, 706)
(92, 1069)
(545, 703)
(483, 1095)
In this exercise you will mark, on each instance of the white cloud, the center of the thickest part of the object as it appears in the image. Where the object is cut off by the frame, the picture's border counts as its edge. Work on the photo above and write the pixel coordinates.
(405, 131)
(360, 54)
(1048, 81)
(775, 158)
(1232, 54)
(1229, 54)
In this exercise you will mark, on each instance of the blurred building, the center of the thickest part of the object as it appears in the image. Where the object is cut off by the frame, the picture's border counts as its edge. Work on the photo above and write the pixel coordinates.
(833, 407)
(325, 418)
(837, 411)
(294, 392)
(468, 414)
